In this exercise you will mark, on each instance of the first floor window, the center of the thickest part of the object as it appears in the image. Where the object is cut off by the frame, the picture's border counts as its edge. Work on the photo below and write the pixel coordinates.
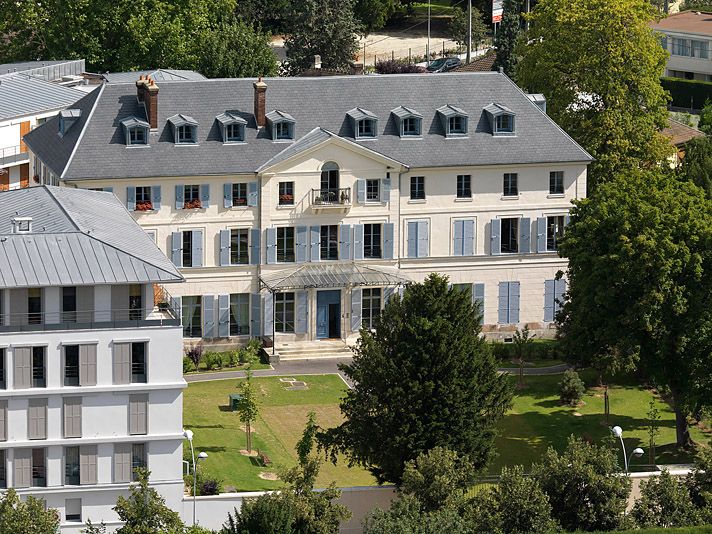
(330, 242)
(71, 365)
(372, 240)
(286, 193)
(187, 250)
(71, 466)
(144, 202)
(39, 475)
(138, 459)
(417, 188)
(135, 302)
(284, 313)
(192, 317)
(239, 246)
(373, 190)
(69, 304)
(240, 314)
(191, 197)
(554, 232)
(464, 186)
(511, 187)
(38, 367)
(239, 194)
(371, 306)
(556, 183)
(138, 363)
(34, 305)
(510, 236)
(285, 244)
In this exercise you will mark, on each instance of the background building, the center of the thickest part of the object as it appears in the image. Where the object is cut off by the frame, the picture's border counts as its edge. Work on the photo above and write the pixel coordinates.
(687, 37)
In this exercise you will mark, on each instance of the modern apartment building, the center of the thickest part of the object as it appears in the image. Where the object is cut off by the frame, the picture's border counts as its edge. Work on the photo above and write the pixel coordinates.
(296, 206)
(90, 364)
(687, 36)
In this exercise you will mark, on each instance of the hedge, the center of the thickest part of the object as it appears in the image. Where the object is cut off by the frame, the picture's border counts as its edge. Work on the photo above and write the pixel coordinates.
(687, 93)
(539, 349)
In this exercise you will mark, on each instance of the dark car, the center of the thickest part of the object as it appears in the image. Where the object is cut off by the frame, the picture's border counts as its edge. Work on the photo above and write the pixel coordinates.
(444, 64)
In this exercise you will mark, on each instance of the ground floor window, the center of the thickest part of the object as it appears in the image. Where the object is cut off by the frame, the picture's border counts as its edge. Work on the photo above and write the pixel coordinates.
(284, 313)
(370, 306)
(240, 314)
(192, 312)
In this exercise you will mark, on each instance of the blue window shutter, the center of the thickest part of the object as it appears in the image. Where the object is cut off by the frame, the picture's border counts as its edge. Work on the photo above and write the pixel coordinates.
(478, 299)
(567, 219)
(388, 293)
(208, 316)
(302, 242)
(271, 242)
(361, 191)
(412, 239)
(301, 311)
(356, 309)
(205, 196)
(252, 194)
(468, 238)
(255, 246)
(559, 290)
(197, 251)
(387, 241)
(223, 315)
(255, 315)
(224, 248)
(227, 195)
(503, 309)
(549, 286)
(345, 242)
(177, 248)
(458, 238)
(496, 237)
(525, 229)
(177, 305)
(156, 197)
(541, 234)
(131, 198)
(180, 198)
(514, 302)
(423, 239)
(315, 243)
(268, 301)
(358, 242)
(386, 190)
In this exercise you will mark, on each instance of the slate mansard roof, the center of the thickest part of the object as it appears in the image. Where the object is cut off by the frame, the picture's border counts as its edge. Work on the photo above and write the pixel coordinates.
(95, 147)
(77, 237)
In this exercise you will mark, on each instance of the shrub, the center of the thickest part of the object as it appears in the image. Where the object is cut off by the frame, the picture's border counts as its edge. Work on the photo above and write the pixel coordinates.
(210, 486)
(232, 358)
(397, 66)
(187, 365)
(538, 349)
(687, 93)
(571, 388)
(213, 360)
(195, 353)
(665, 502)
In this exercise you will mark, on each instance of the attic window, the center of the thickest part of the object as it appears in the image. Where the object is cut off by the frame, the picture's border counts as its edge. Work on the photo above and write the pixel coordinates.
(410, 122)
(186, 133)
(136, 131)
(232, 126)
(457, 124)
(501, 118)
(22, 225)
(137, 136)
(281, 125)
(185, 129)
(504, 123)
(367, 128)
(365, 123)
(67, 118)
(454, 121)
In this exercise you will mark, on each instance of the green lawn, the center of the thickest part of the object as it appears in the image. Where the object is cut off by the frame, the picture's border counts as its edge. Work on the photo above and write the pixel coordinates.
(531, 364)
(538, 421)
(218, 431)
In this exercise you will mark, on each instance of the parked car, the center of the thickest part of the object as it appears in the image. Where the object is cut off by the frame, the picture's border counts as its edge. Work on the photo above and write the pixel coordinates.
(444, 64)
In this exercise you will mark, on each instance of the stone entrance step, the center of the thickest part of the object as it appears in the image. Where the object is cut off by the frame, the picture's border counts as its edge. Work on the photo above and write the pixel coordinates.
(317, 350)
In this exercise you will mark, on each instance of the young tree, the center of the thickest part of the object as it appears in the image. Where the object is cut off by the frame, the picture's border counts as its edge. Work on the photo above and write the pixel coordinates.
(424, 378)
(599, 65)
(522, 340)
(324, 27)
(458, 28)
(664, 502)
(640, 283)
(145, 511)
(697, 164)
(30, 515)
(248, 408)
(653, 430)
(584, 486)
(507, 36)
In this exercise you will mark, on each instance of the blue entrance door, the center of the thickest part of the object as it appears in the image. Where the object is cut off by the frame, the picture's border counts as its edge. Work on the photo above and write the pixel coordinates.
(328, 314)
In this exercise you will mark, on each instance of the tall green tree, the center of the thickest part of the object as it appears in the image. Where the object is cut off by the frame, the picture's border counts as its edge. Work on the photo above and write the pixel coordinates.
(697, 164)
(29, 515)
(457, 28)
(423, 378)
(599, 64)
(327, 28)
(640, 283)
(507, 37)
(373, 14)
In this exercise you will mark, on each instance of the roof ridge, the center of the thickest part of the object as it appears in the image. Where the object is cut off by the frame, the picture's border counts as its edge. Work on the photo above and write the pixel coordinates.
(64, 210)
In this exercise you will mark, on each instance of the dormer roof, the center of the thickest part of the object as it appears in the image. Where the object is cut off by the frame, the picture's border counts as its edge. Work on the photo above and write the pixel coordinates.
(133, 122)
(498, 109)
(182, 120)
(358, 114)
(403, 112)
(279, 116)
(230, 117)
(450, 111)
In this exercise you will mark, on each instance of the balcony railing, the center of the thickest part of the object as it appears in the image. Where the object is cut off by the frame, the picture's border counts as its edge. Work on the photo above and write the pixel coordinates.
(325, 198)
(13, 154)
(162, 315)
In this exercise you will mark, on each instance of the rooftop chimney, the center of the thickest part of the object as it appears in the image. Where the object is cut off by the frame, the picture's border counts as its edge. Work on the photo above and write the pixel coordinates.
(317, 62)
(140, 88)
(260, 101)
(150, 100)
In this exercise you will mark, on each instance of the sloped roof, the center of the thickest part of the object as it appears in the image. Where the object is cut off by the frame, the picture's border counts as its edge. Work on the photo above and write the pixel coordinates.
(692, 21)
(313, 103)
(481, 64)
(22, 95)
(78, 237)
(158, 75)
(334, 275)
(680, 133)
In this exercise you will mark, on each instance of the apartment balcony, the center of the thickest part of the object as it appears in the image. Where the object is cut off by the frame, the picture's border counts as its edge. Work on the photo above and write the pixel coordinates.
(337, 199)
(162, 315)
(13, 155)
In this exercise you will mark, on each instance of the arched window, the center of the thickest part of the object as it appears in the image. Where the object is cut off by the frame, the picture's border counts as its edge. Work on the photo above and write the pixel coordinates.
(330, 178)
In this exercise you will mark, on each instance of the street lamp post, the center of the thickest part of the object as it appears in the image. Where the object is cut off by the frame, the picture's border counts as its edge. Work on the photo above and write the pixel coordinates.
(188, 434)
(637, 452)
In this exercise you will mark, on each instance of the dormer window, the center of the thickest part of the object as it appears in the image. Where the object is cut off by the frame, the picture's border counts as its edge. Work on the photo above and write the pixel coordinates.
(281, 125)
(67, 118)
(501, 119)
(232, 126)
(185, 129)
(365, 123)
(136, 131)
(410, 121)
(454, 121)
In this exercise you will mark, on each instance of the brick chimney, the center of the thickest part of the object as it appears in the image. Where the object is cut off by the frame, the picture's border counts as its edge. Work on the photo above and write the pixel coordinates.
(151, 102)
(140, 88)
(260, 101)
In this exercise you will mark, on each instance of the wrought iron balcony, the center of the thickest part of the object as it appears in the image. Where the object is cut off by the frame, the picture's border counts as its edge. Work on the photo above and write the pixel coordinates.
(336, 198)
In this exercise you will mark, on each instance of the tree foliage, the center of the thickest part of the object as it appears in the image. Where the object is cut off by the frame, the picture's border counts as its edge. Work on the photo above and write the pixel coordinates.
(640, 283)
(599, 65)
(406, 516)
(423, 378)
(373, 14)
(584, 486)
(665, 502)
(571, 388)
(457, 28)
(507, 37)
(326, 28)
(248, 408)
(523, 506)
(697, 164)
(29, 515)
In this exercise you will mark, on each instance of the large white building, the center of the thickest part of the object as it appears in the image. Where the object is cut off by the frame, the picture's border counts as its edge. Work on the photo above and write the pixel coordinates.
(90, 366)
(296, 206)
(687, 36)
